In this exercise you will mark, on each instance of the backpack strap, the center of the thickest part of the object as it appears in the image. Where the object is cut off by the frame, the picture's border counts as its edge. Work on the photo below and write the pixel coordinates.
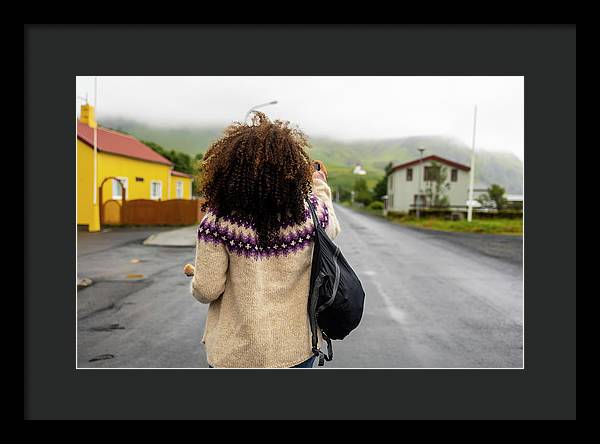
(316, 280)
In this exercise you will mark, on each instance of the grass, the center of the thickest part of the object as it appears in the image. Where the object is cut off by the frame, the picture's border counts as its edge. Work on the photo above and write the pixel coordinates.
(488, 226)
(342, 176)
(367, 210)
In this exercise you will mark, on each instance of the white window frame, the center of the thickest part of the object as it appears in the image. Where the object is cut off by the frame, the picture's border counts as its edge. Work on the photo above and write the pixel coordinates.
(125, 182)
(179, 189)
(159, 182)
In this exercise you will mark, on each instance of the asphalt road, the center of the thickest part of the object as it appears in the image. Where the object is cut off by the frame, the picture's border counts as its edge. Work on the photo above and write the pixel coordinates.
(434, 300)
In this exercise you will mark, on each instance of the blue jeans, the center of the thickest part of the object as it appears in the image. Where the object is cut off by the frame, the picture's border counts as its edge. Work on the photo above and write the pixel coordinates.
(306, 364)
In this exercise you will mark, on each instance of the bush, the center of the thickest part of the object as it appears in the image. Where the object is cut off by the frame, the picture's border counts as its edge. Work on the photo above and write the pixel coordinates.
(442, 213)
(376, 205)
(363, 197)
(396, 214)
(503, 214)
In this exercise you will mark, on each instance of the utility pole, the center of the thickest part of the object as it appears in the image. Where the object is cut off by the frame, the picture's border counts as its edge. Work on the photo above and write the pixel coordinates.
(472, 175)
(95, 142)
(94, 224)
(419, 196)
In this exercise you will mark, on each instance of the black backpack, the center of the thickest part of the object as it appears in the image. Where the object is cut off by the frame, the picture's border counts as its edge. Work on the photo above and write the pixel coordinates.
(336, 298)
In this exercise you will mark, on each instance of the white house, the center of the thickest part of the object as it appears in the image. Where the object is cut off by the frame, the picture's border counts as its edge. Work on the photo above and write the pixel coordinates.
(479, 190)
(404, 191)
(358, 169)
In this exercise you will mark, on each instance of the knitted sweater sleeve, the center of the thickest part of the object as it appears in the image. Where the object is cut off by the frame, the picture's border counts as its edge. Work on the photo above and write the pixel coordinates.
(210, 274)
(323, 192)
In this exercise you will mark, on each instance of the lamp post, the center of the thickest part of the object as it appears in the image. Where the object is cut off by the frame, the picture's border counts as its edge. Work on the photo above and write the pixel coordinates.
(254, 108)
(472, 175)
(420, 181)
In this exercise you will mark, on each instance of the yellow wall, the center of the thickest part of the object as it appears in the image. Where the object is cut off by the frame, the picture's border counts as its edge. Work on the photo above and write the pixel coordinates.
(88, 115)
(85, 174)
(120, 166)
(187, 187)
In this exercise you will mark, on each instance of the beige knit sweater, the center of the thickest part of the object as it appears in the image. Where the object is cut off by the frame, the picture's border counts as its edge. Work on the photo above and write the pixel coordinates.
(258, 296)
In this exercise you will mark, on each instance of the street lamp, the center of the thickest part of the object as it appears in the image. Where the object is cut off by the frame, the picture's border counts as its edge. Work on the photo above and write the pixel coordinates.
(254, 108)
(420, 181)
(472, 172)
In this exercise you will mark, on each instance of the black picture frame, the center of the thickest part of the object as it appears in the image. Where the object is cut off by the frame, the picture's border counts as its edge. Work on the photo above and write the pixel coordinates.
(54, 55)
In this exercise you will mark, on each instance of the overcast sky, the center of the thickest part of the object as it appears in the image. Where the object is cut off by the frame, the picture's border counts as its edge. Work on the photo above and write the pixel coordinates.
(347, 108)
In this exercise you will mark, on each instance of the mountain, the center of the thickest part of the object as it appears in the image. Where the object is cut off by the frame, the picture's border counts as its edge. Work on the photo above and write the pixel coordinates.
(502, 168)
(190, 140)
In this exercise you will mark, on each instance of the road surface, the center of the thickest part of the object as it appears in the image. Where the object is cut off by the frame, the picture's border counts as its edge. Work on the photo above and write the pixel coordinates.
(433, 300)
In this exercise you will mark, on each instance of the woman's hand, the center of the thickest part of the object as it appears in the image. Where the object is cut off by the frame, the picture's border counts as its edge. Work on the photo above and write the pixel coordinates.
(188, 270)
(321, 173)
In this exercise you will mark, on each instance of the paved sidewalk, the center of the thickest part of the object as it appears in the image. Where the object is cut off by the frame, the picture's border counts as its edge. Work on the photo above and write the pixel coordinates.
(113, 237)
(180, 237)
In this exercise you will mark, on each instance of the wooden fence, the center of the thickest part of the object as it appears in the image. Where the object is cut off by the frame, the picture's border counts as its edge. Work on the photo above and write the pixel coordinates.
(155, 212)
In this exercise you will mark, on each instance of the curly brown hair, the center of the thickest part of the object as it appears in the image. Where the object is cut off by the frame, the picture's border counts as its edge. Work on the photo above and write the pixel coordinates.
(259, 173)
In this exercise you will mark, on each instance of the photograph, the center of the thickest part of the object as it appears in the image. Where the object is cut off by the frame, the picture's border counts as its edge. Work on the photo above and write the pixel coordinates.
(308, 222)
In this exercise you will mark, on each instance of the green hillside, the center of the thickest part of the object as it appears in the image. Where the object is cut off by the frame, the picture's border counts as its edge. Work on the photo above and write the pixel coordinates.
(340, 157)
(490, 167)
(188, 140)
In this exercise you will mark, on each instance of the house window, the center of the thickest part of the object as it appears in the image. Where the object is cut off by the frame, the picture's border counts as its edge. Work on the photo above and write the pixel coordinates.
(179, 189)
(409, 174)
(116, 188)
(191, 190)
(431, 173)
(155, 189)
(454, 175)
(420, 200)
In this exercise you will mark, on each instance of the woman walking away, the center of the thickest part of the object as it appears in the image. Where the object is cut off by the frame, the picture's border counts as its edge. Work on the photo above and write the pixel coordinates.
(254, 246)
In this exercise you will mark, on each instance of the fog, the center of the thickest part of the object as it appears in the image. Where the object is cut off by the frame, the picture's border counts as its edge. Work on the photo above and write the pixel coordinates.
(346, 108)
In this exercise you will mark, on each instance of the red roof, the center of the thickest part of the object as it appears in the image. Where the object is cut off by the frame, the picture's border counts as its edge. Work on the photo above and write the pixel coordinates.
(120, 144)
(180, 174)
(433, 157)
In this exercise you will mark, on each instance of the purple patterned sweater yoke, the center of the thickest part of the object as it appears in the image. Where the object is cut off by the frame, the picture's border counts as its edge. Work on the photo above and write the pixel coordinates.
(213, 229)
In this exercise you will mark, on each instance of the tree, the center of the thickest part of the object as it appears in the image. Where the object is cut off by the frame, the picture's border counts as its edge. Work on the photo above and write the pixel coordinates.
(494, 196)
(437, 185)
(361, 192)
(381, 188)
(196, 172)
(182, 162)
(343, 193)
(360, 184)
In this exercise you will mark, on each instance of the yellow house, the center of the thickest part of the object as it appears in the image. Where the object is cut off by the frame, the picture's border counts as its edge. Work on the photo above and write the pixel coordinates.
(144, 173)
(181, 185)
